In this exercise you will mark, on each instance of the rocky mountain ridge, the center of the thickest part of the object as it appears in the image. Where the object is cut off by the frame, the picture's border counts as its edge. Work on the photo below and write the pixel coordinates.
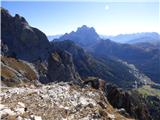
(17, 32)
(147, 37)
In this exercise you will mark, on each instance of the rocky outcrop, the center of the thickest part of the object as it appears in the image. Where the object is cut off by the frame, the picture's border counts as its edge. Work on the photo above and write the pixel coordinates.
(20, 40)
(95, 82)
(132, 103)
(61, 68)
(59, 101)
(16, 72)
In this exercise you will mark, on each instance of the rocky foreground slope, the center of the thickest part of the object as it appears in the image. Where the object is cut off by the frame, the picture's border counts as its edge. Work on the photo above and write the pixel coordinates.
(58, 101)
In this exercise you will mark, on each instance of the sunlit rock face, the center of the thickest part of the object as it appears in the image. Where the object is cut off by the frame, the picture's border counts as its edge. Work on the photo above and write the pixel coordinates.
(61, 68)
(17, 72)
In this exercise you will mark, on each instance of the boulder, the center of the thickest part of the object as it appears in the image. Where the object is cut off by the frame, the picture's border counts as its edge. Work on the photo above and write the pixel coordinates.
(95, 82)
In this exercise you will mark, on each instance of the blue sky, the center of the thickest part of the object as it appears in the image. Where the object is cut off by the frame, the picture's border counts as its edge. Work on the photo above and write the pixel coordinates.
(108, 18)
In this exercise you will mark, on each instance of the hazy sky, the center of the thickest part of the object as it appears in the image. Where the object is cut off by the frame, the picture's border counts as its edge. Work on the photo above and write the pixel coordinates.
(108, 18)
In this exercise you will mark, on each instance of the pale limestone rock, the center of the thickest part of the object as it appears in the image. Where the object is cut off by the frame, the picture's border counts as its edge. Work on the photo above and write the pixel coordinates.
(34, 117)
(111, 116)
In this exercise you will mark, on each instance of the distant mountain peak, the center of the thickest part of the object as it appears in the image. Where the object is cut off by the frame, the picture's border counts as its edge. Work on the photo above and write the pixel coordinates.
(85, 28)
(84, 35)
(149, 37)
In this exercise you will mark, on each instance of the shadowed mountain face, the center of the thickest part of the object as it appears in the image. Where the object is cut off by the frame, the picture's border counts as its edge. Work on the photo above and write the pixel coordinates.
(21, 40)
(148, 46)
(132, 103)
(83, 36)
(110, 70)
(146, 61)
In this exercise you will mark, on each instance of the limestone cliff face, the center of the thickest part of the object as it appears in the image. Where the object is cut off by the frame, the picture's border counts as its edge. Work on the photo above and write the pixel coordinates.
(20, 40)
(61, 67)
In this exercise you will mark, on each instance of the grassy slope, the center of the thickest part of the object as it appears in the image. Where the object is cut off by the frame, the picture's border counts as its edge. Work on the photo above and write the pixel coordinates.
(149, 91)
